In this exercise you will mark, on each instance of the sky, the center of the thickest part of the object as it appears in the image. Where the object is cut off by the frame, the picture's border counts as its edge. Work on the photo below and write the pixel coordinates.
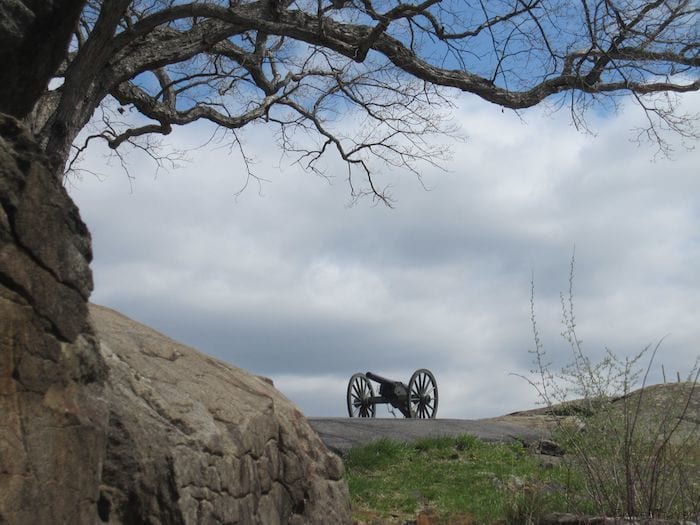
(294, 282)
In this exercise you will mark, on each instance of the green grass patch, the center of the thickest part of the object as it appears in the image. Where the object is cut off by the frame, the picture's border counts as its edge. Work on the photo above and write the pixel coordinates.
(455, 476)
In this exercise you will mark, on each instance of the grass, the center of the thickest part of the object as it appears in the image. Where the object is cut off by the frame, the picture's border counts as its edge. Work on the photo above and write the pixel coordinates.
(632, 453)
(458, 478)
(463, 480)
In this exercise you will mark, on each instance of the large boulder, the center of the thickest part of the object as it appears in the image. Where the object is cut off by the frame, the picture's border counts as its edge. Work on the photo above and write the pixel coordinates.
(173, 437)
(137, 429)
(52, 418)
(194, 440)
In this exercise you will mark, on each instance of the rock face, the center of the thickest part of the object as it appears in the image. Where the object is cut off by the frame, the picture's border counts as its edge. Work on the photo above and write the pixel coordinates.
(194, 440)
(52, 421)
(144, 430)
(163, 435)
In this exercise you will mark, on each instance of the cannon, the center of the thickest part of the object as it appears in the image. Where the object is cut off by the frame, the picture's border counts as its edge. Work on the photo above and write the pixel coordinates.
(418, 399)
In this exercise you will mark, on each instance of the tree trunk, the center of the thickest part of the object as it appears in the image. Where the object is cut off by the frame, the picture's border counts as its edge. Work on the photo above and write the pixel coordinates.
(34, 37)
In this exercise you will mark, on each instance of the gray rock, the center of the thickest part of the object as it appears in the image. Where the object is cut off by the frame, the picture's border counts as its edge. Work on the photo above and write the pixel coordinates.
(144, 430)
(342, 434)
(173, 436)
(548, 447)
(194, 440)
(52, 416)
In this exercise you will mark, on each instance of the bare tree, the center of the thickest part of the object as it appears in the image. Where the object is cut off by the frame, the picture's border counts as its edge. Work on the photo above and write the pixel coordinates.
(301, 66)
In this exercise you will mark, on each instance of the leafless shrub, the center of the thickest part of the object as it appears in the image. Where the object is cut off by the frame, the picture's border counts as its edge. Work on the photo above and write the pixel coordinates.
(637, 447)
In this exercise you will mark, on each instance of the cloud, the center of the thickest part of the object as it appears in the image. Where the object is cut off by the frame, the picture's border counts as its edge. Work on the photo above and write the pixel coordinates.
(296, 285)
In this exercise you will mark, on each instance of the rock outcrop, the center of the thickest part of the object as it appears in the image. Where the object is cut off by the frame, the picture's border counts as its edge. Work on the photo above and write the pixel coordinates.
(144, 430)
(52, 421)
(194, 440)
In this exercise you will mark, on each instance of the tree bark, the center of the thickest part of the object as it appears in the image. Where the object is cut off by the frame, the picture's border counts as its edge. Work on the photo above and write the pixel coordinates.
(34, 37)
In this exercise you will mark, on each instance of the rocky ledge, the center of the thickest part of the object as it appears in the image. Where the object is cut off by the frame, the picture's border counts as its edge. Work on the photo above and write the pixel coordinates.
(194, 440)
(103, 420)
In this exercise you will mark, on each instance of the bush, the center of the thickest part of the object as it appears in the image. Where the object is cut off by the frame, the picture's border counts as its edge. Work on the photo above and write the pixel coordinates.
(638, 451)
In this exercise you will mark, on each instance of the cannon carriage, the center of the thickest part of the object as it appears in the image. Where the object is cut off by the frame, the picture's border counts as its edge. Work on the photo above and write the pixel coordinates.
(418, 399)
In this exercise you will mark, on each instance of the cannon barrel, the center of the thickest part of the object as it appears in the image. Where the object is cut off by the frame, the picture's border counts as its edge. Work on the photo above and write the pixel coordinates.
(380, 379)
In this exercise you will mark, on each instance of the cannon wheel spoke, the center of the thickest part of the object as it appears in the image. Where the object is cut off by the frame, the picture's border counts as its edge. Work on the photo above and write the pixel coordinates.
(360, 394)
(422, 395)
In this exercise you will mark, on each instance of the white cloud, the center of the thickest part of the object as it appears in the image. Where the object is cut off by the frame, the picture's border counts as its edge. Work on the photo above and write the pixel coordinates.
(297, 286)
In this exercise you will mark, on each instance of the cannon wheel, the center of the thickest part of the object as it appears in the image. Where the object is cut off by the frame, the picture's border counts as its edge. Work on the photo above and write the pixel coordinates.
(360, 394)
(422, 395)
